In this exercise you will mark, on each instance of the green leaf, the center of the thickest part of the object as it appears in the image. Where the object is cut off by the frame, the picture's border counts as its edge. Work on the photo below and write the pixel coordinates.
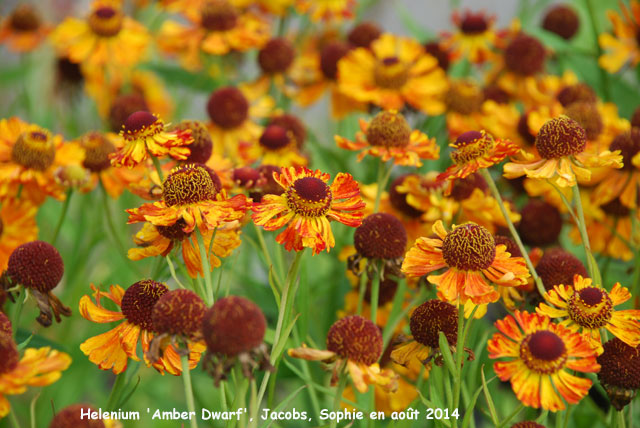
(446, 354)
(281, 344)
(285, 402)
(492, 408)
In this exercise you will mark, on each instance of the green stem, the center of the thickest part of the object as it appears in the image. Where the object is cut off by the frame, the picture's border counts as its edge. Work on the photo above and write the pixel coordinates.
(14, 419)
(362, 289)
(32, 410)
(116, 391)
(17, 313)
(375, 293)
(383, 176)
(591, 263)
(339, 390)
(604, 76)
(206, 269)
(514, 232)
(267, 255)
(157, 166)
(459, 356)
(65, 209)
(188, 390)
(173, 272)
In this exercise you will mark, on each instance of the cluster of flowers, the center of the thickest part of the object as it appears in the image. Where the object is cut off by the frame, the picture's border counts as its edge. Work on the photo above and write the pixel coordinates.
(572, 165)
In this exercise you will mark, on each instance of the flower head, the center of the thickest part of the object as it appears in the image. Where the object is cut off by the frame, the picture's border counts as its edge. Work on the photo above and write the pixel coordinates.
(388, 135)
(557, 266)
(622, 46)
(475, 36)
(326, 10)
(72, 417)
(589, 308)
(473, 261)
(380, 236)
(540, 223)
(540, 354)
(356, 341)
(561, 20)
(620, 371)
(23, 30)
(306, 207)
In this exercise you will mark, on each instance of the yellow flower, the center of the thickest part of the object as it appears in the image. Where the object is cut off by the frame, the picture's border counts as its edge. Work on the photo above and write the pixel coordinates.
(622, 47)
(23, 30)
(475, 37)
(326, 10)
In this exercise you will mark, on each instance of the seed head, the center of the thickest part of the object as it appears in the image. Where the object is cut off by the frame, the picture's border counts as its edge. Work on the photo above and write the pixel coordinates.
(561, 136)
(355, 338)
(469, 247)
(71, 417)
(178, 312)
(381, 236)
(138, 302)
(431, 318)
(228, 107)
(557, 266)
(540, 223)
(36, 265)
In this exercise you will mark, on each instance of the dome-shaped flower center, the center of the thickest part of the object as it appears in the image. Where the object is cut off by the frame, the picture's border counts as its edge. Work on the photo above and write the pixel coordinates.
(591, 307)
(34, 149)
(390, 73)
(439, 53)
(9, 352)
(331, 53)
(355, 338)
(292, 124)
(233, 325)
(469, 247)
(463, 188)
(540, 223)
(178, 312)
(431, 318)
(388, 129)
(219, 15)
(470, 146)
(464, 97)
(363, 34)
(525, 55)
(138, 302)
(274, 137)
(561, 136)
(228, 107)
(474, 23)
(523, 129)
(616, 208)
(124, 106)
(141, 124)
(512, 246)
(97, 149)
(543, 352)
(175, 231)
(276, 56)
(74, 416)
(580, 92)
(36, 265)
(309, 196)
(24, 19)
(380, 236)
(202, 146)
(629, 145)
(106, 21)
(189, 184)
(557, 266)
(620, 365)
(561, 20)
(398, 199)
(587, 116)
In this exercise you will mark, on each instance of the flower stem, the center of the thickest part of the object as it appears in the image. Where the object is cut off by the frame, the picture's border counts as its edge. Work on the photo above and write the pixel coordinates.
(116, 391)
(362, 289)
(459, 355)
(339, 390)
(188, 390)
(14, 419)
(591, 263)
(514, 232)
(267, 255)
(17, 313)
(173, 272)
(375, 293)
(383, 176)
(65, 209)
(157, 166)
(206, 269)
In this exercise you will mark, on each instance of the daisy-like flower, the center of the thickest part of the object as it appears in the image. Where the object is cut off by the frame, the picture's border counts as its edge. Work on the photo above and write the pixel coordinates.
(17, 226)
(540, 354)
(326, 10)
(475, 150)
(388, 135)
(620, 372)
(37, 367)
(145, 135)
(588, 308)
(475, 38)
(106, 38)
(392, 72)
(29, 155)
(112, 350)
(233, 329)
(356, 342)
(307, 206)
(215, 27)
(23, 30)
(622, 47)
(191, 197)
(560, 144)
(276, 146)
(473, 260)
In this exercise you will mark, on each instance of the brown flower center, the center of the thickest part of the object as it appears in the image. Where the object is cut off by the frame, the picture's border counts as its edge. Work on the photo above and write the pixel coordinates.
(178, 312)
(34, 149)
(24, 19)
(309, 196)
(559, 267)
(469, 247)
(355, 338)
(219, 15)
(36, 265)
(189, 184)
(331, 53)
(561, 20)
(591, 307)
(274, 137)
(380, 236)
(390, 73)
(138, 302)
(389, 129)
(580, 92)
(525, 55)
(276, 56)
(9, 352)
(464, 97)
(470, 146)
(202, 146)
(124, 106)
(431, 318)
(97, 149)
(587, 116)
(543, 352)
(474, 23)
(228, 107)
(560, 137)
(363, 34)
(629, 145)
(106, 21)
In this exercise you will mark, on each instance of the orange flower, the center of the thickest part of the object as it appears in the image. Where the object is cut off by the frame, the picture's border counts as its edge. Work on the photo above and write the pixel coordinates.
(388, 135)
(29, 155)
(326, 10)
(475, 150)
(473, 261)
(144, 134)
(392, 72)
(475, 37)
(17, 226)
(306, 207)
(23, 31)
(276, 146)
(589, 308)
(112, 350)
(191, 197)
(540, 353)
(106, 38)
(37, 367)
(622, 47)
(354, 342)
